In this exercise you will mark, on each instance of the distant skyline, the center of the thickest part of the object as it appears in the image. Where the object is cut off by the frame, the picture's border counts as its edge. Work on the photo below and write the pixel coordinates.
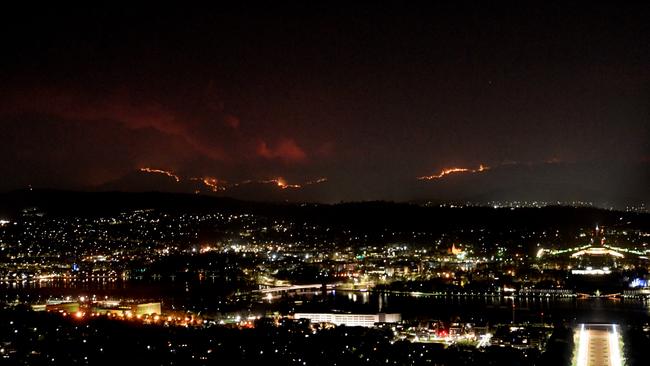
(456, 102)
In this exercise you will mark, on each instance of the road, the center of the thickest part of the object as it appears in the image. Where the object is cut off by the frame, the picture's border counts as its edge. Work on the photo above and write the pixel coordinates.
(598, 345)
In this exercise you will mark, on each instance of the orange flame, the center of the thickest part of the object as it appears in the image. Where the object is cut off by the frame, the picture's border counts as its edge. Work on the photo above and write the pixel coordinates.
(213, 184)
(281, 183)
(216, 185)
(449, 171)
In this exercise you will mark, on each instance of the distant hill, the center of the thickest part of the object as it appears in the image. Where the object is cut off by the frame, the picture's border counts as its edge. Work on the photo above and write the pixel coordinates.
(360, 215)
(260, 191)
(616, 186)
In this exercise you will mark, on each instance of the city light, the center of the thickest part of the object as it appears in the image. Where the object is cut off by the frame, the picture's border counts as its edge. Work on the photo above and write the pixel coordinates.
(591, 271)
(462, 186)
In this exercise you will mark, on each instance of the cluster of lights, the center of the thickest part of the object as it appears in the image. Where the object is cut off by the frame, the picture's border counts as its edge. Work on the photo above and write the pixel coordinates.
(592, 271)
(597, 251)
(186, 321)
(281, 183)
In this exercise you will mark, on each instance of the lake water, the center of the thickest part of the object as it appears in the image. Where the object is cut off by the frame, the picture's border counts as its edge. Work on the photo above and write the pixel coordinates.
(207, 296)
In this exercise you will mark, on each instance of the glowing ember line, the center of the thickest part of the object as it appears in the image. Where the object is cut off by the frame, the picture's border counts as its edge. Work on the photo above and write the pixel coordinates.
(160, 171)
(449, 171)
(282, 183)
(213, 184)
(217, 185)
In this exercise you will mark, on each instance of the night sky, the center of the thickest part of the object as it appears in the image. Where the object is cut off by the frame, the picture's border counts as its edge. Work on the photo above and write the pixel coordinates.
(350, 105)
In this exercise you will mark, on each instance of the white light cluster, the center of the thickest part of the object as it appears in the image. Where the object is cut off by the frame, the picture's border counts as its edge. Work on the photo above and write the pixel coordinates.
(591, 271)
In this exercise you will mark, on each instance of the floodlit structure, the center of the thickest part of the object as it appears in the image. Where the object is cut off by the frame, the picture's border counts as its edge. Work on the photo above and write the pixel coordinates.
(594, 258)
(67, 307)
(598, 344)
(110, 307)
(350, 320)
(597, 251)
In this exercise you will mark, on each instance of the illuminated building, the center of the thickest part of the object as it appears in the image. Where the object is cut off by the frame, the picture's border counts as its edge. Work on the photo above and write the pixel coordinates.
(108, 307)
(455, 251)
(350, 320)
(68, 307)
(146, 308)
(598, 344)
(595, 258)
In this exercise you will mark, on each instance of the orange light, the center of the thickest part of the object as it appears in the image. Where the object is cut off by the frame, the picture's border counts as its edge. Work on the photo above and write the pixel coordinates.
(160, 171)
(282, 183)
(448, 171)
(212, 183)
(216, 184)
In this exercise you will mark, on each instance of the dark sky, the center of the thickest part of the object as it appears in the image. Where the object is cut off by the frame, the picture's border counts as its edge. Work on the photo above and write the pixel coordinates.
(369, 99)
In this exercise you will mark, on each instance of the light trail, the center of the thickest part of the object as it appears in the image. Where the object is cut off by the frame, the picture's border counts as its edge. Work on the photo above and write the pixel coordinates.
(614, 349)
(448, 171)
(160, 171)
(583, 346)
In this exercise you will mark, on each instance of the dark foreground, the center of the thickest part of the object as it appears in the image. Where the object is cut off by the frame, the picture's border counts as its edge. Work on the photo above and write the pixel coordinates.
(29, 338)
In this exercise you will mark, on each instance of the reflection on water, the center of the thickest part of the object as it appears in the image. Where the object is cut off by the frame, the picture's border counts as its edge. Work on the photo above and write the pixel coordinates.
(498, 308)
(194, 295)
(209, 296)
